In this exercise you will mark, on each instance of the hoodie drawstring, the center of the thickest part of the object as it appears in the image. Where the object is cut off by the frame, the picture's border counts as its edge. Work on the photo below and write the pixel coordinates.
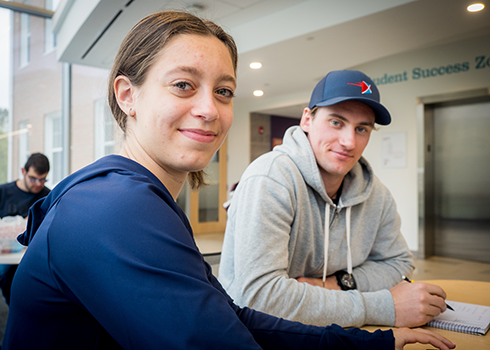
(326, 240)
(349, 255)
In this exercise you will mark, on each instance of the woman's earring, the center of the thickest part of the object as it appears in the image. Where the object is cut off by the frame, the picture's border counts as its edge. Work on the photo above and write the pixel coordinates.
(131, 112)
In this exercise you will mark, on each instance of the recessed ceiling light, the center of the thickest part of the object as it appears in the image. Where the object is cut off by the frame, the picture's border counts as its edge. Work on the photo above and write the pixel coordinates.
(255, 65)
(475, 7)
(258, 93)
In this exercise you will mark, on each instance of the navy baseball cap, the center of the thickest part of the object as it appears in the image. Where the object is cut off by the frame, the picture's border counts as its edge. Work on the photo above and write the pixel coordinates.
(345, 85)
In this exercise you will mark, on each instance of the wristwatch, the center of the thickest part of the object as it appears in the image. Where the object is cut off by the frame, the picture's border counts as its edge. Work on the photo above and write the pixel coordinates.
(345, 280)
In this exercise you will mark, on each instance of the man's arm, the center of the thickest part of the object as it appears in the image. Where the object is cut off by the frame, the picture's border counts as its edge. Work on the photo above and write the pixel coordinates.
(389, 258)
(255, 264)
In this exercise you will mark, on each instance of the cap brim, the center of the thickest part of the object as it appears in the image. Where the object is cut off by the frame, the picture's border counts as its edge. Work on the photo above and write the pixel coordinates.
(381, 114)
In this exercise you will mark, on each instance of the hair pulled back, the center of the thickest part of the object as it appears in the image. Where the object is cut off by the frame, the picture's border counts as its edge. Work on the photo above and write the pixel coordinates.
(141, 48)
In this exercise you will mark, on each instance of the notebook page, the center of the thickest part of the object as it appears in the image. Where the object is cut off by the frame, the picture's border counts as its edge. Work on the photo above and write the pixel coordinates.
(468, 314)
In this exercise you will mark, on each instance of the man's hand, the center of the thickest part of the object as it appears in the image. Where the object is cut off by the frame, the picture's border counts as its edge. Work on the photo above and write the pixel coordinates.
(330, 282)
(409, 336)
(417, 303)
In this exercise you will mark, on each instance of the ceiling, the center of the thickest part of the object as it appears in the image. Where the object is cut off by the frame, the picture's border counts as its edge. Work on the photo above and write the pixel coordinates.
(297, 41)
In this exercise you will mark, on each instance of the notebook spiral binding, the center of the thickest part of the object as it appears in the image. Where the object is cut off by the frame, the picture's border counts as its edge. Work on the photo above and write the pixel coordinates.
(455, 327)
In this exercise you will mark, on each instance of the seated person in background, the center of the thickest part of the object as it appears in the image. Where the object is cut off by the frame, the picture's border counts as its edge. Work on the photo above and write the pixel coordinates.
(16, 198)
(312, 234)
(112, 262)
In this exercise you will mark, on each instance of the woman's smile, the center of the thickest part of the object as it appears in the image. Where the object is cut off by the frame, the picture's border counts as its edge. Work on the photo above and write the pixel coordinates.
(199, 135)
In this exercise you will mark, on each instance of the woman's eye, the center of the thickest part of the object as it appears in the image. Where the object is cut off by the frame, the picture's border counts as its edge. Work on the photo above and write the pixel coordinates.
(183, 85)
(225, 92)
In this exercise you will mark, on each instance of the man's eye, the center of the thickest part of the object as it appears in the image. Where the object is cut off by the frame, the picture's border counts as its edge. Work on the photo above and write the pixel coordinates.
(363, 130)
(335, 123)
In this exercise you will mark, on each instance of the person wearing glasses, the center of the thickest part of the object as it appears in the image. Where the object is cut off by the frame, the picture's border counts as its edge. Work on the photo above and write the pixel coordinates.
(16, 198)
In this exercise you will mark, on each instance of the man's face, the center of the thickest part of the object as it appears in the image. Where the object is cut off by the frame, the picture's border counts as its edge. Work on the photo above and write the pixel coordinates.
(338, 135)
(33, 181)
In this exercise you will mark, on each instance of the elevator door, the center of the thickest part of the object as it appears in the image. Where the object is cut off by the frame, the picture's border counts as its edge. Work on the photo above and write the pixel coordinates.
(462, 181)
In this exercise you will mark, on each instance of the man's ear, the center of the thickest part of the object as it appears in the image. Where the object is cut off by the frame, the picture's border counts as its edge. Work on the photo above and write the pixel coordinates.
(124, 92)
(306, 119)
(24, 172)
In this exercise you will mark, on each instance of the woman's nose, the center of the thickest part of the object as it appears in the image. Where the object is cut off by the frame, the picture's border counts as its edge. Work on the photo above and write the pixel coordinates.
(205, 107)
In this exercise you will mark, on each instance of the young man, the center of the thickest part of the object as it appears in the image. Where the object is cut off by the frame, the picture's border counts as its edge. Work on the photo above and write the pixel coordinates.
(312, 234)
(16, 198)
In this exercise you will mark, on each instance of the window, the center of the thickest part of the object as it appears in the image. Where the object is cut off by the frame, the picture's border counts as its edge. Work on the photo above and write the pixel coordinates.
(25, 39)
(49, 36)
(4, 143)
(104, 129)
(53, 147)
(23, 144)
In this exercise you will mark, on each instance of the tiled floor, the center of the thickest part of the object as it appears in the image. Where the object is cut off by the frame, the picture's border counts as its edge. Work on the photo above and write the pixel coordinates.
(442, 268)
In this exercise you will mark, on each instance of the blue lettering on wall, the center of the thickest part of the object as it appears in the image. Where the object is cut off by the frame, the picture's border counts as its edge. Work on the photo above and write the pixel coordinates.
(418, 73)
(390, 79)
(481, 62)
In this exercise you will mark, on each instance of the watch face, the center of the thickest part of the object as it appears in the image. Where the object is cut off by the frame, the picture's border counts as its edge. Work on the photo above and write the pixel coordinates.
(348, 281)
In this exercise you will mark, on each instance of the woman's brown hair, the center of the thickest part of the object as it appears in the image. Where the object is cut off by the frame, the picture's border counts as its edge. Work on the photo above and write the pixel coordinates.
(141, 48)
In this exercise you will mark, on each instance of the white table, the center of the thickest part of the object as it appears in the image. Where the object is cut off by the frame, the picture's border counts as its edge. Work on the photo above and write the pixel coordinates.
(12, 258)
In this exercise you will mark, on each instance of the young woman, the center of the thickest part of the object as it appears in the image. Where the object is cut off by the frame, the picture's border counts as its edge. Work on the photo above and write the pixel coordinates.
(112, 262)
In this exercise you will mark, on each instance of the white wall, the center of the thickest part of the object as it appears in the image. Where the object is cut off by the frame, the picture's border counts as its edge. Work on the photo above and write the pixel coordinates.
(400, 98)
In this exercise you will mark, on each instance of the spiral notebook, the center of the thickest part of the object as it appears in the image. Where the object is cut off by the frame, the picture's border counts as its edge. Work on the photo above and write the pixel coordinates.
(466, 318)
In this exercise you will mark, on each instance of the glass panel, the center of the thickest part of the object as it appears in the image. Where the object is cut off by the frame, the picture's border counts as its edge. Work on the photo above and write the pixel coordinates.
(56, 172)
(57, 140)
(25, 39)
(104, 128)
(5, 93)
(108, 126)
(30, 89)
(24, 127)
(4, 130)
(91, 116)
(53, 147)
(209, 195)
(184, 200)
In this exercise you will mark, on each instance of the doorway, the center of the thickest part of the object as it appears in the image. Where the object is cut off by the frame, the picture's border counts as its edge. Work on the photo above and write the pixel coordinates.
(457, 179)
(204, 207)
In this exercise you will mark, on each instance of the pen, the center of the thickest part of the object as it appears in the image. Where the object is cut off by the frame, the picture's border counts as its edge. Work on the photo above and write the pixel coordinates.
(410, 281)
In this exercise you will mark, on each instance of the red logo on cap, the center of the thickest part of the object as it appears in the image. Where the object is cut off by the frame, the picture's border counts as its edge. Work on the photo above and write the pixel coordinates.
(365, 87)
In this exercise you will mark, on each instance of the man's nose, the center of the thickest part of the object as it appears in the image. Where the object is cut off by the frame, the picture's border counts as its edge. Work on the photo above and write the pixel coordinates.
(348, 138)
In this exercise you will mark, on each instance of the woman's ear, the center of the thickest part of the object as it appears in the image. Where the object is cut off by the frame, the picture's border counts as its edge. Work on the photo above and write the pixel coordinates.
(124, 91)
(306, 118)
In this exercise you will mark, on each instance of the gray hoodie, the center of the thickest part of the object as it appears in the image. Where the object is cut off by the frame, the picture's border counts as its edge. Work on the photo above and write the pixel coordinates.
(276, 232)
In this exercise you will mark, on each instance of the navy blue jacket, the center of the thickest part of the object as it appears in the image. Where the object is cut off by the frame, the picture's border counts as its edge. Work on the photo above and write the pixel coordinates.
(112, 264)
